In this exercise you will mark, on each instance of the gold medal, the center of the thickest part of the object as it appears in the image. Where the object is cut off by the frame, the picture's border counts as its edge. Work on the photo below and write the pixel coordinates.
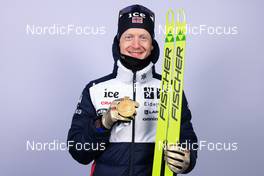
(126, 107)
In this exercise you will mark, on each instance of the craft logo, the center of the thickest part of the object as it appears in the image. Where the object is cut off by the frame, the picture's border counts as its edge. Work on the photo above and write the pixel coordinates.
(143, 76)
(110, 94)
(106, 102)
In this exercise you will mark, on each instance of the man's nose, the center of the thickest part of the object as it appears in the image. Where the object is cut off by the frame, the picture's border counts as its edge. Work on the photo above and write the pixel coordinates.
(136, 43)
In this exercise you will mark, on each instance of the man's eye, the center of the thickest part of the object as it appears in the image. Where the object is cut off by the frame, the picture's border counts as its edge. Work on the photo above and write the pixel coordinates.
(128, 37)
(143, 38)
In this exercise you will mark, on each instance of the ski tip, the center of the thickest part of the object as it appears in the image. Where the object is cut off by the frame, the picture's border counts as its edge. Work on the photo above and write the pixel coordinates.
(169, 21)
(181, 17)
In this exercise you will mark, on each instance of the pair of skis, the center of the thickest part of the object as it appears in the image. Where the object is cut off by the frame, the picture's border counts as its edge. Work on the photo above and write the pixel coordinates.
(170, 103)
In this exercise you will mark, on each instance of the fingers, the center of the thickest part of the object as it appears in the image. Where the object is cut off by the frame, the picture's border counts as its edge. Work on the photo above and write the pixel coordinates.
(176, 163)
(121, 118)
(120, 109)
(177, 158)
(136, 104)
(117, 101)
(177, 148)
(113, 105)
(175, 169)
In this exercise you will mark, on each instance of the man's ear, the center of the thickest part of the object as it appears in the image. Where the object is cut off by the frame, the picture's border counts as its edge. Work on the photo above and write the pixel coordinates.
(152, 47)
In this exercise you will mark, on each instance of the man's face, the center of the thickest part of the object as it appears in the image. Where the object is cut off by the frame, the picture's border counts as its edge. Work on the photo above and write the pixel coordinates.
(136, 42)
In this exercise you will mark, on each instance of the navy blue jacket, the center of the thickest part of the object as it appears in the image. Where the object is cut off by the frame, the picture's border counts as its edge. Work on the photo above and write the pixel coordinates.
(128, 148)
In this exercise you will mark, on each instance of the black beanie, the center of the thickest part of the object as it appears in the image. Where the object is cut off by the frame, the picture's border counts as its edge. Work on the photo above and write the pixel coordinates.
(136, 16)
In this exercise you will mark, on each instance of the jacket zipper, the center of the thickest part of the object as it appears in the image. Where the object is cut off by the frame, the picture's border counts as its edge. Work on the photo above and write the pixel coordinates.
(131, 161)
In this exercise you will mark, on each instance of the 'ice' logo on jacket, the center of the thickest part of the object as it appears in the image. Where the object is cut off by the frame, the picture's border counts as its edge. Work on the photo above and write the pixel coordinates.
(110, 94)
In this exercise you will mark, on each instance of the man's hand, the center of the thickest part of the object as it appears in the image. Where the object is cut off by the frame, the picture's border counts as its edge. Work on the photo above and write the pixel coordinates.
(177, 158)
(123, 109)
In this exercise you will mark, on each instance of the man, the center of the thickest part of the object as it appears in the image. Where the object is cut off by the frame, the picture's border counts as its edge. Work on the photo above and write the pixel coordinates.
(116, 116)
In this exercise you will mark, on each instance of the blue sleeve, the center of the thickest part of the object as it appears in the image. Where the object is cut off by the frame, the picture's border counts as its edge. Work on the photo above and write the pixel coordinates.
(187, 133)
(83, 132)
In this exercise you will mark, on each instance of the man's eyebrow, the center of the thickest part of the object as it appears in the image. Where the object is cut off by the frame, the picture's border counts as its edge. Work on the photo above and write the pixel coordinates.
(128, 34)
(143, 35)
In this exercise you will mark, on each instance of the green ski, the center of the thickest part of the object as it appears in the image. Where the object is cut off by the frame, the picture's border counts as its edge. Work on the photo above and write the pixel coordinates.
(170, 103)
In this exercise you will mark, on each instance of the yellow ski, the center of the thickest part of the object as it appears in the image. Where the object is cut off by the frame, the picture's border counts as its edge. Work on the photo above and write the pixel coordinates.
(170, 103)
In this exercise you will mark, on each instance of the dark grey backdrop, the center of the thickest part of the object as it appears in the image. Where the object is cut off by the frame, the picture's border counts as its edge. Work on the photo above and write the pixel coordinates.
(42, 77)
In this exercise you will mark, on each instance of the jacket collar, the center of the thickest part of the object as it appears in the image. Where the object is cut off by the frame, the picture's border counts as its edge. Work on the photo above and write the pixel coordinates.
(126, 75)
